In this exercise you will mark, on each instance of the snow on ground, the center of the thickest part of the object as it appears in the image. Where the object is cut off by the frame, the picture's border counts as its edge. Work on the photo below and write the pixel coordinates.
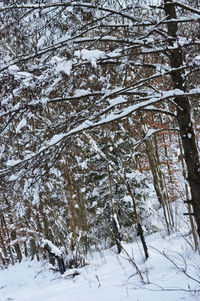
(111, 277)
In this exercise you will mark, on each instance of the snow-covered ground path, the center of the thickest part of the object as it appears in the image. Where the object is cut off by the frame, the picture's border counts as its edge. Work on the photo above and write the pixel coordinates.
(111, 277)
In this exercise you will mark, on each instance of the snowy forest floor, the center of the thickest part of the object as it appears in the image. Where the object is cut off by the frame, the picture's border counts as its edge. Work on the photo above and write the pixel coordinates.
(167, 275)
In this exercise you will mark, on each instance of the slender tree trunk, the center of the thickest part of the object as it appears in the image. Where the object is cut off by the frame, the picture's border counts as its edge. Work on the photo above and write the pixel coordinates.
(13, 235)
(114, 224)
(139, 226)
(184, 115)
(71, 205)
(195, 237)
(82, 218)
(153, 163)
(6, 236)
(162, 182)
(3, 257)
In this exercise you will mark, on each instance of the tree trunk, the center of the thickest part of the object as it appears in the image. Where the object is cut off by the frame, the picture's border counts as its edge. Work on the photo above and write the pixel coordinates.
(189, 207)
(71, 201)
(114, 224)
(184, 115)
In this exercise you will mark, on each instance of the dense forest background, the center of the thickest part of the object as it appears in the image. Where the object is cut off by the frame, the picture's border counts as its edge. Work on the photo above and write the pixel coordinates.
(99, 124)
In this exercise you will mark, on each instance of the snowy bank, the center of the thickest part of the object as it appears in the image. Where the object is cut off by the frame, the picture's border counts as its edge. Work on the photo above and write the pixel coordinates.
(167, 275)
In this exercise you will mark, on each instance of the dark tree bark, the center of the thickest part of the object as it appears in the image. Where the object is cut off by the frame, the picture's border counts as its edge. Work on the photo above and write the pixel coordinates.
(141, 235)
(116, 234)
(184, 115)
(60, 261)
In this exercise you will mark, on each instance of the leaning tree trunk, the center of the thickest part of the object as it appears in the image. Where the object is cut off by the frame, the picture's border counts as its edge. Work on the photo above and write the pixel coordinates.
(184, 114)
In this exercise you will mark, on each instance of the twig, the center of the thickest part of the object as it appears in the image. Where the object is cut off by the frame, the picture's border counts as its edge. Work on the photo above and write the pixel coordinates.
(98, 280)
